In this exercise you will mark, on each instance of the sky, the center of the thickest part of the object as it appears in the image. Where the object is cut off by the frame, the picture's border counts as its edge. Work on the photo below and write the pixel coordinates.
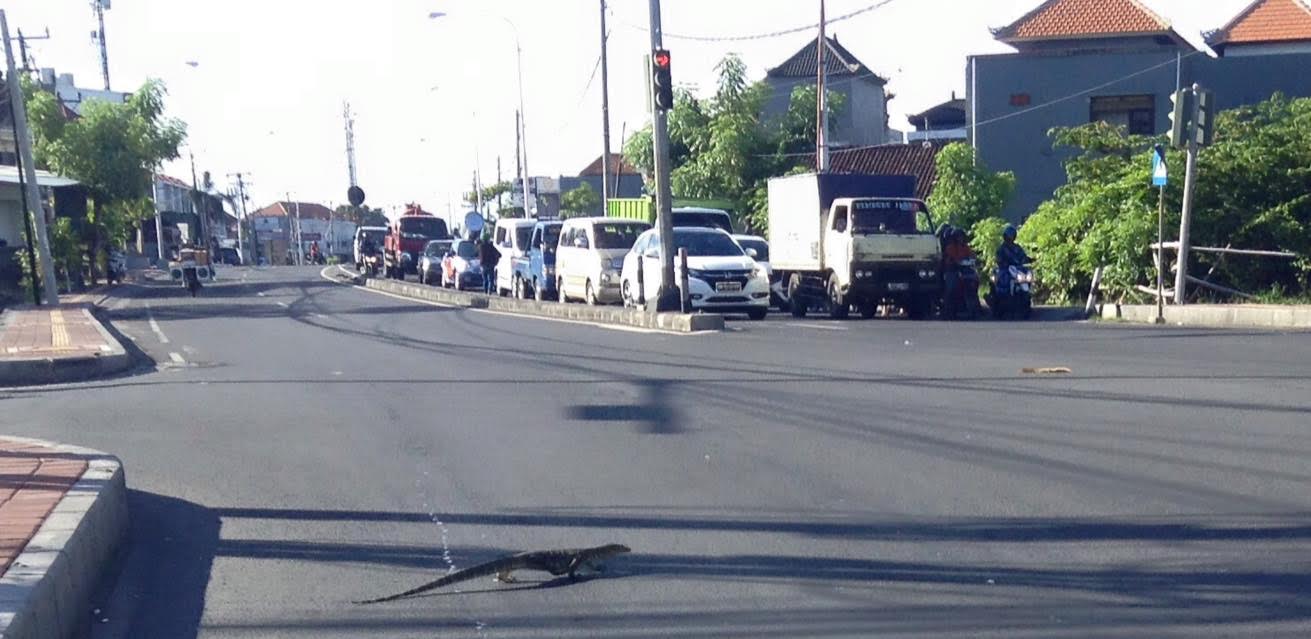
(261, 83)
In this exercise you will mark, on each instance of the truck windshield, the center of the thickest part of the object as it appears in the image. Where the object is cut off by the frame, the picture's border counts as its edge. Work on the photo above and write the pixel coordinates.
(889, 217)
(707, 244)
(618, 236)
(551, 235)
(421, 227)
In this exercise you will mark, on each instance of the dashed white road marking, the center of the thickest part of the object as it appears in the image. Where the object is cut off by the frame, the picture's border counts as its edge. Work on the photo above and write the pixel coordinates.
(154, 326)
(177, 358)
(284, 305)
(820, 327)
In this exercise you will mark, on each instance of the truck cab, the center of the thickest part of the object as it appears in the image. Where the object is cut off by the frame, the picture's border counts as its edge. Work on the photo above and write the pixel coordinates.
(406, 238)
(839, 242)
(534, 272)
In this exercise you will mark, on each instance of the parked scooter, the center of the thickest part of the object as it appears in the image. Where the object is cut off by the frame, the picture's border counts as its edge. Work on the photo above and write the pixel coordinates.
(1012, 296)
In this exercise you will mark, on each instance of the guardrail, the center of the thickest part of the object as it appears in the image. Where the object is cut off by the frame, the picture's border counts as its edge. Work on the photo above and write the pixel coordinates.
(616, 315)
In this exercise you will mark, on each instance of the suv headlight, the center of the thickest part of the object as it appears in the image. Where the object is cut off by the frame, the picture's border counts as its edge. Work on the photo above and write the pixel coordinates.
(696, 274)
(759, 272)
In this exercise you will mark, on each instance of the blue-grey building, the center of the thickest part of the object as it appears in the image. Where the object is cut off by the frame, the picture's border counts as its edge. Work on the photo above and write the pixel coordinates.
(864, 120)
(1079, 61)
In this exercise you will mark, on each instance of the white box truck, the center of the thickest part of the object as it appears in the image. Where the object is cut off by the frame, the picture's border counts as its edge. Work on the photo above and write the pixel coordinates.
(845, 240)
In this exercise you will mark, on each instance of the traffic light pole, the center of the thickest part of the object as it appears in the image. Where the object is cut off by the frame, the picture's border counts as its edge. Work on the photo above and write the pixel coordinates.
(1186, 218)
(668, 299)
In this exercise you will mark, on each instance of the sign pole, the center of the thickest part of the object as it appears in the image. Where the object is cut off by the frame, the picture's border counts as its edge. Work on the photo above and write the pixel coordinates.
(1160, 176)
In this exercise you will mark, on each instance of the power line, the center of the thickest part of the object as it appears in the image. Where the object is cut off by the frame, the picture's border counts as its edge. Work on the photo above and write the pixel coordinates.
(771, 34)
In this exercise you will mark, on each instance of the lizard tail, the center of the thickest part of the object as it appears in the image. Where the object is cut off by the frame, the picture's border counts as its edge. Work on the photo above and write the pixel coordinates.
(473, 572)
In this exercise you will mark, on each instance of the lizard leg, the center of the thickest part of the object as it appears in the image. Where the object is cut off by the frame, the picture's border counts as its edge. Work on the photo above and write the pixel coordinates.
(505, 577)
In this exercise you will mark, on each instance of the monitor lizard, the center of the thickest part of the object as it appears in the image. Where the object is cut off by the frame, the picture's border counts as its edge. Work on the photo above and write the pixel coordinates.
(556, 562)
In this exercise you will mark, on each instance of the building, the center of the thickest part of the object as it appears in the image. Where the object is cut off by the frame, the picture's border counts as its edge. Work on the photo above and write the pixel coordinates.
(945, 121)
(625, 180)
(1079, 61)
(864, 120)
(277, 225)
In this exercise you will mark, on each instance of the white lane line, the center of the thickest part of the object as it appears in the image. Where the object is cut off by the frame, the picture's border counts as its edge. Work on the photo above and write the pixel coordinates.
(154, 326)
(820, 327)
(177, 358)
(260, 294)
(284, 305)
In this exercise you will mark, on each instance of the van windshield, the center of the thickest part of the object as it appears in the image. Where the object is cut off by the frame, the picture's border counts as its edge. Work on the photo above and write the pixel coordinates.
(619, 236)
(703, 219)
(522, 235)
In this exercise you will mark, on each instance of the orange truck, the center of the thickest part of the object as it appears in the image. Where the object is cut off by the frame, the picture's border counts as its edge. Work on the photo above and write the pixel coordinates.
(406, 237)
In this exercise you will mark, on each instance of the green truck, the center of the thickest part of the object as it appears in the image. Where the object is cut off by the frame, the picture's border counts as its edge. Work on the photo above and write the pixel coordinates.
(687, 212)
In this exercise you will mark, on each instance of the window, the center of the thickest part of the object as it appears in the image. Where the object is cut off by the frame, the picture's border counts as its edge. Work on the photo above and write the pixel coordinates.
(502, 238)
(522, 235)
(1136, 113)
(840, 219)
(618, 236)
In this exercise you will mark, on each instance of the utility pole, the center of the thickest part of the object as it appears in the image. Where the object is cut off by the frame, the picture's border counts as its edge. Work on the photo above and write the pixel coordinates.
(821, 99)
(350, 142)
(518, 160)
(245, 218)
(100, 6)
(27, 218)
(22, 47)
(32, 191)
(1186, 219)
(669, 298)
(605, 116)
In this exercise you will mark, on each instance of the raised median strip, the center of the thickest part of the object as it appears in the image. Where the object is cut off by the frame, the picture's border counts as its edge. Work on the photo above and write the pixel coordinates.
(1265, 316)
(63, 518)
(616, 315)
(51, 346)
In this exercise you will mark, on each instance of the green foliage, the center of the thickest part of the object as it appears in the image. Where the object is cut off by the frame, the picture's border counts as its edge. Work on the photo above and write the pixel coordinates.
(1252, 192)
(967, 192)
(985, 237)
(720, 148)
(362, 215)
(580, 201)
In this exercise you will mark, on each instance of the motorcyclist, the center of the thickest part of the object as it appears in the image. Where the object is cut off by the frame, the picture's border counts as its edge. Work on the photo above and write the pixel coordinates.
(957, 250)
(1009, 253)
(314, 253)
(368, 246)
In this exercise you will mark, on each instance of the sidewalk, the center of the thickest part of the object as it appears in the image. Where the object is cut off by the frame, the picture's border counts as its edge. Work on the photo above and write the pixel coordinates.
(63, 514)
(40, 345)
(1265, 316)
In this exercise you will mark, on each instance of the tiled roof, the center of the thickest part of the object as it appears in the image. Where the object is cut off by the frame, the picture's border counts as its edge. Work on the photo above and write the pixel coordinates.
(838, 61)
(953, 109)
(1266, 21)
(918, 160)
(308, 210)
(172, 181)
(618, 166)
(1070, 19)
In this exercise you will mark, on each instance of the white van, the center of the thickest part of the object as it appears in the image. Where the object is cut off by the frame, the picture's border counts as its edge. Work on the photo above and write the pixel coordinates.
(591, 256)
(377, 233)
(511, 239)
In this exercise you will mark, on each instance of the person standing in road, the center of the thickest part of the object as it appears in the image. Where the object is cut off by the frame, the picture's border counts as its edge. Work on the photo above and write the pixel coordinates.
(488, 256)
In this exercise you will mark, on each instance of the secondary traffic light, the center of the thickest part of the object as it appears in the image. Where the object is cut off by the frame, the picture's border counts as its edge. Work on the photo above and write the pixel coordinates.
(662, 79)
(1205, 122)
(1180, 126)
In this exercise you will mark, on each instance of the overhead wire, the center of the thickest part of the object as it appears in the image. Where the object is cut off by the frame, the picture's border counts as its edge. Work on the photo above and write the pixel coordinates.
(770, 34)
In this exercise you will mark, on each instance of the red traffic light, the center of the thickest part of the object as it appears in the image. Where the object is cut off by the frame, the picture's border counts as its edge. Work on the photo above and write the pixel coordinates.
(661, 58)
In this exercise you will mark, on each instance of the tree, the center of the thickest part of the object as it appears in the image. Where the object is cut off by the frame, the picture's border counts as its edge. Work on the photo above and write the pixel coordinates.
(1251, 193)
(966, 192)
(361, 216)
(112, 149)
(580, 201)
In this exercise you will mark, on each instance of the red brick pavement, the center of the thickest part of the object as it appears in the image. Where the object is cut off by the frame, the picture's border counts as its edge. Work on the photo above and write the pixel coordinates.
(33, 479)
(65, 331)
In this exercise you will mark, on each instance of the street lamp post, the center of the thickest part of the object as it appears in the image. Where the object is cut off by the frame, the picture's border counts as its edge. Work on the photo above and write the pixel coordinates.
(523, 128)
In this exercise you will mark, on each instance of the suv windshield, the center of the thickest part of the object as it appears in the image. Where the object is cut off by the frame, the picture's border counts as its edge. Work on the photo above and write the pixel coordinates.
(618, 235)
(420, 227)
(706, 244)
(437, 249)
(703, 219)
(889, 217)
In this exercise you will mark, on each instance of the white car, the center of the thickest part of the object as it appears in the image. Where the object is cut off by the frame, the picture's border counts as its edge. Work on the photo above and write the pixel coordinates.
(461, 269)
(758, 249)
(511, 238)
(721, 277)
(591, 255)
(430, 264)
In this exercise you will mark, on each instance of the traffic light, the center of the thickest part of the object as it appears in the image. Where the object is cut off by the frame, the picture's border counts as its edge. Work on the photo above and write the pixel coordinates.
(1205, 122)
(1180, 126)
(661, 78)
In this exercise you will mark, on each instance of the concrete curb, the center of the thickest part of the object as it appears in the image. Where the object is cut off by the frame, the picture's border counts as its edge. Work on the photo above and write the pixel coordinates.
(47, 591)
(59, 370)
(616, 315)
(1271, 317)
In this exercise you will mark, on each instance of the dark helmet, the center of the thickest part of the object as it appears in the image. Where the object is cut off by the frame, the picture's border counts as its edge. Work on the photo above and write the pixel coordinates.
(1008, 232)
(958, 234)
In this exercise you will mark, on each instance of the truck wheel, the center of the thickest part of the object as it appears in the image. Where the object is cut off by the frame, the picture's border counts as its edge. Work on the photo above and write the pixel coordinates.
(838, 308)
(539, 292)
(559, 292)
(516, 287)
(797, 303)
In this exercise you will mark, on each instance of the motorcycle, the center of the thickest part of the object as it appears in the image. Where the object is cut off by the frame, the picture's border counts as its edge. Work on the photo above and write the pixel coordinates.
(1012, 293)
(965, 297)
(372, 263)
(116, 267)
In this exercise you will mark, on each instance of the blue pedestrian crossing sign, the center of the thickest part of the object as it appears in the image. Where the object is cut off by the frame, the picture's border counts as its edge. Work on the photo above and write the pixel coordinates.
(1160, 173)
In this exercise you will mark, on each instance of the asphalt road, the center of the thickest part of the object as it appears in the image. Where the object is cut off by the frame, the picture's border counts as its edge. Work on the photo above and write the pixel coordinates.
(300, 444)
